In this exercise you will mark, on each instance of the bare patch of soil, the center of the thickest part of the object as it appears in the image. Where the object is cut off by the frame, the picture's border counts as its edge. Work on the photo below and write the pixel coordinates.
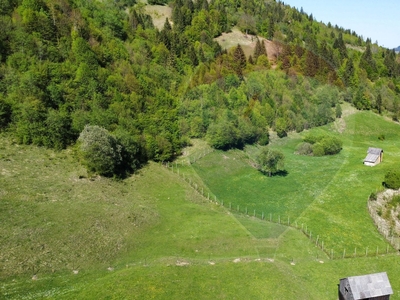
(159, 13)
(180, 263)
(248, 43)
(347, 110)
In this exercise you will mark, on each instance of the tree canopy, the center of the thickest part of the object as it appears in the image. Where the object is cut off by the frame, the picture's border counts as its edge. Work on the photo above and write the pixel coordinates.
(68, 64)
(270, 161)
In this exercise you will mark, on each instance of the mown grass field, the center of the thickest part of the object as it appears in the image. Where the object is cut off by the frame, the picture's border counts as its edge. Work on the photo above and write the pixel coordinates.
(153, 236)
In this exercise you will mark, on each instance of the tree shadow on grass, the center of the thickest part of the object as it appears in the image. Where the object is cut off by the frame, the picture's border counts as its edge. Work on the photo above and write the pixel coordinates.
(281, 173)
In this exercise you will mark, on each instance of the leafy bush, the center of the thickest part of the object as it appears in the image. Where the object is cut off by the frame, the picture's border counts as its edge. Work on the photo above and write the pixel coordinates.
(313, 137)
(222, 135)
(322, 144)
(304, 149)
(373, 196)
(318, 149)
(392, 179)
(101, 152)
(270, 161)
(332, 145)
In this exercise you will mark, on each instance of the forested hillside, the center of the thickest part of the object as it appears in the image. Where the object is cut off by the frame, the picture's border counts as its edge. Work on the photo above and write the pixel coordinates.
(66, 64)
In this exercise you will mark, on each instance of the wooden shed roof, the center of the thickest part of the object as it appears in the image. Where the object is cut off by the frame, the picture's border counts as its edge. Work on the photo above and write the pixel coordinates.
(372, 285)
(373, 154)
(376, 151)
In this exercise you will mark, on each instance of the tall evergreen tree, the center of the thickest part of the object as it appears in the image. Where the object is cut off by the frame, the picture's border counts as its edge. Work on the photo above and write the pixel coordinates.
(239, 60)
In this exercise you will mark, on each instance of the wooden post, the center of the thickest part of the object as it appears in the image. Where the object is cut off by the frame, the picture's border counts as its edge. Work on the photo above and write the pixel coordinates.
(377, 250)
(344, 253)
(262, 216)
(366, 251)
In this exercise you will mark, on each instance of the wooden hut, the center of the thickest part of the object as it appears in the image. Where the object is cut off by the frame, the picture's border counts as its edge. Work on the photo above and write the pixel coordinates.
(374, 157)
(371, 287)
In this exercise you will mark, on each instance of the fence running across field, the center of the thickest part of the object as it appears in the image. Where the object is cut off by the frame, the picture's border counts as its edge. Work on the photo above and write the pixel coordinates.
(393, 245)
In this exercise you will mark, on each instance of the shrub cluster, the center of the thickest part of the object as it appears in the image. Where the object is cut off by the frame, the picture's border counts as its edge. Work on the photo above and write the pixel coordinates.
(392, 179)
(319, 145)
(226, 134)
(106, 154)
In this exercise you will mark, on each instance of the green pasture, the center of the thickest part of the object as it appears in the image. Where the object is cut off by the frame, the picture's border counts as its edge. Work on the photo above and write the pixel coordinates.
(161, 235)
(327, 195)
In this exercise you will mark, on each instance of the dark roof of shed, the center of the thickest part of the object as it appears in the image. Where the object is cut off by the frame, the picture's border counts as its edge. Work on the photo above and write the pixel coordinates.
(376, 151)
(372, 285)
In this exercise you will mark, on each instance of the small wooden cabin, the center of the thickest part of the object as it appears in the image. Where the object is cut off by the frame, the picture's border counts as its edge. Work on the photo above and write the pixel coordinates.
(371, 287)
(374, 157)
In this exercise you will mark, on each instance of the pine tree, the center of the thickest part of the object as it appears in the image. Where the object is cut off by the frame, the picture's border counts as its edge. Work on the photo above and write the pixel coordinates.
(379, 103)
(259, 49)
(367, 62)
(239, 60)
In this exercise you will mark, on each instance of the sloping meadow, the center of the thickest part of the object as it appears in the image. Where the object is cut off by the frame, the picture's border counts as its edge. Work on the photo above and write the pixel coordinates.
(325, 197)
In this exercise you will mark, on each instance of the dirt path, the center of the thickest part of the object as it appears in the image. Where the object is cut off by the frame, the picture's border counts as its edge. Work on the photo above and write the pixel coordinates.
(347, 110)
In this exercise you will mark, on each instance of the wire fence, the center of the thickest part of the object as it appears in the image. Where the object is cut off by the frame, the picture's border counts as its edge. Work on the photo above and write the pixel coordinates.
(393, 245)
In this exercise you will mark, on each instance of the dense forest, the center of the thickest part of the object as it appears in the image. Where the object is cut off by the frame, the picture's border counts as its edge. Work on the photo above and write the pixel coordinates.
(66, 64)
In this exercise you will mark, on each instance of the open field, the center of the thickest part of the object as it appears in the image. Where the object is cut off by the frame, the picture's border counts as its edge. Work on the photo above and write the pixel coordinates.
(154, 236)
(326, 194)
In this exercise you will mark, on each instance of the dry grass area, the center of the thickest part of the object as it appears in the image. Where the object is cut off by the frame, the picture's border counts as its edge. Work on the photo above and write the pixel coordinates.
(159, 14)
(247, 41)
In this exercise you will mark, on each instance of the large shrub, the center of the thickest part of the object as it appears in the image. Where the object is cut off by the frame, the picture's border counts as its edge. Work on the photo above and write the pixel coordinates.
(392, 179)
(270, 161)
(100, 150)
(321, 144)
(332, 145)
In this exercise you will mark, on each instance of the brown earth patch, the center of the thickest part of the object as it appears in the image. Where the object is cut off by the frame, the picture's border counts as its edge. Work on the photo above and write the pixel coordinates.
(248, 43)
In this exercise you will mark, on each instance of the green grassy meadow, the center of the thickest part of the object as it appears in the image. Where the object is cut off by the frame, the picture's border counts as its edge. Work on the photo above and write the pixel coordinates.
(154, 236)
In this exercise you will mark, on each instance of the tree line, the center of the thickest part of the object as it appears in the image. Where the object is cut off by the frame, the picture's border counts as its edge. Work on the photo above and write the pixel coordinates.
(69, 64)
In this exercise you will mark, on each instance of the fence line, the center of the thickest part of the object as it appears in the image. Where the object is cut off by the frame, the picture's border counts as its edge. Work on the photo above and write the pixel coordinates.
(278, 220)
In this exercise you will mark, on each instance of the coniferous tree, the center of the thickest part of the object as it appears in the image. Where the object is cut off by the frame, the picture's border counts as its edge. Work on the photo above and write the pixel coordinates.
(239, 60)
(367, 62)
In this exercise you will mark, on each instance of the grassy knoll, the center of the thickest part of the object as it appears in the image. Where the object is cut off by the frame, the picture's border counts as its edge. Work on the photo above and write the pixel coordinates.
(326, 194)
